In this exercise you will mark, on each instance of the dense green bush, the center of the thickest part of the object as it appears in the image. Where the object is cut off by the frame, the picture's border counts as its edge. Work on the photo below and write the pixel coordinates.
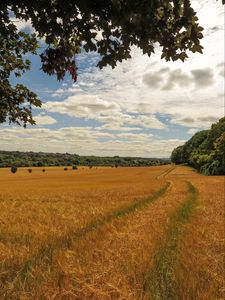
(13, 169)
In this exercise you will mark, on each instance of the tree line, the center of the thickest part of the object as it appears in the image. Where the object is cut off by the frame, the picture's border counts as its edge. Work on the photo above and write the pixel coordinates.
(41, 159)
(205, 151)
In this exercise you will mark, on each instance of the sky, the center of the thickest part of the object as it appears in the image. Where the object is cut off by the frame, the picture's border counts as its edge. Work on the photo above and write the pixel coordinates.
(144, 107)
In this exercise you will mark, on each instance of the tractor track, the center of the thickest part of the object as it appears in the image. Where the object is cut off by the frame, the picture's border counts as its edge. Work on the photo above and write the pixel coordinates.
(45, 253)
(162, 279)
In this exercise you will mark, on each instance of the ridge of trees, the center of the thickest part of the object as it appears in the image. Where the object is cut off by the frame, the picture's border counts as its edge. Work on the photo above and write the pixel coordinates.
(205, 151)
(41, 159)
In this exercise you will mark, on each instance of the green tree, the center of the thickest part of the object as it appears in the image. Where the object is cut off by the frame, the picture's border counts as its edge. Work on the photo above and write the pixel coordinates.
(68, 26)
(220, 150)
(177, 155)
(214, 133)
(13, 169)
(205, 151)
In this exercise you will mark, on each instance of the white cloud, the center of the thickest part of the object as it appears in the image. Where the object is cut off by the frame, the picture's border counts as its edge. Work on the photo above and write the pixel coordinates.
(167, 79)
(145, 121)
(203, 77)
(192, 131)
(22, 24)
(86, 84)
(152, 80)
(86, 141)
(135, 136)
(115, 127)
(87, 106)
(108, 112)
(185, 92)
(44, 120)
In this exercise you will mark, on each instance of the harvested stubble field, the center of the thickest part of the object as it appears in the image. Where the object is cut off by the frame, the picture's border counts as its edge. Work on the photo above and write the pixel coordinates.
(107, 233)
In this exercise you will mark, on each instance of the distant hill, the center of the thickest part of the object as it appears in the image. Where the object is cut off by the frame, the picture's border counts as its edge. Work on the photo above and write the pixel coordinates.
(205, 151)
(31, 159)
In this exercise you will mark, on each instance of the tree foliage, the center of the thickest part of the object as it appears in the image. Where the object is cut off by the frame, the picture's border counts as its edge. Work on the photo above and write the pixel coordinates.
(67, 26)
(205, 151)
(15, 101)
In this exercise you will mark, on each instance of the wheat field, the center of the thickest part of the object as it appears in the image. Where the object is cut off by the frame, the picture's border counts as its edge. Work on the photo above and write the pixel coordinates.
(111, 233)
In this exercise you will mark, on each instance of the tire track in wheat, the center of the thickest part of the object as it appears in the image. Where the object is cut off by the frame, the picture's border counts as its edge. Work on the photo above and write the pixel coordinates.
(161, 281)
(46, 252)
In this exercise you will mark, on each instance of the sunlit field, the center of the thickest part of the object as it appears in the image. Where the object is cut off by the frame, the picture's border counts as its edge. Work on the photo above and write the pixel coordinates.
(111, 233)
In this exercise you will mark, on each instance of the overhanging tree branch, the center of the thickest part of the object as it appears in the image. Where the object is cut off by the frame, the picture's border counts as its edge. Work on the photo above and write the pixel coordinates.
(66, 26)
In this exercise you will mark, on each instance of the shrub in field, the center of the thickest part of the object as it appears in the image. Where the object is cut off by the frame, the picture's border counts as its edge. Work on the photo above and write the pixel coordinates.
(65, 169)
(43, 170)
(74, 168)
(30, 170)
(13, 169)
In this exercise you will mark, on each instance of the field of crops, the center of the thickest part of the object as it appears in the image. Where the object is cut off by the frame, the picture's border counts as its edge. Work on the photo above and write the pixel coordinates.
(111, 233)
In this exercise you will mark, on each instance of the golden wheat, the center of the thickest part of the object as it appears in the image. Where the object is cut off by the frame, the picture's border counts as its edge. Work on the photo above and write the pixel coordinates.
(95, 233)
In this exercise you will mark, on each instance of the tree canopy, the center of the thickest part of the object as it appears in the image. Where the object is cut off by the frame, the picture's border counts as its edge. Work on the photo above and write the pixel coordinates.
(205, 151)
(68, 26)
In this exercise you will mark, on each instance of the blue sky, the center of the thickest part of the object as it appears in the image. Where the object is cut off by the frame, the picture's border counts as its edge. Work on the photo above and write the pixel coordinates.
(144, 107)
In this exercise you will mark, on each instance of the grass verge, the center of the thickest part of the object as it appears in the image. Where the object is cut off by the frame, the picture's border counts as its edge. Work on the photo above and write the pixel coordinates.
(162, 280)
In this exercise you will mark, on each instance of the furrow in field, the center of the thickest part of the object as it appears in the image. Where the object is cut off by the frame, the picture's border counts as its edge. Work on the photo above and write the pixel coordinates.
(162, 279)
(44, 255)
